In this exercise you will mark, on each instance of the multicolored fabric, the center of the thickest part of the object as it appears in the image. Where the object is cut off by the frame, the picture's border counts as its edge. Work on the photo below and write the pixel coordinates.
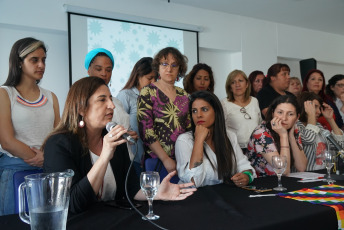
(161, 119)
(260, 143)
(328, 195)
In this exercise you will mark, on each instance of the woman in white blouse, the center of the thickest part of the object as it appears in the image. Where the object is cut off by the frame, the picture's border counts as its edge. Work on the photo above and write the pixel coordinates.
(242, 113)
(209, 154)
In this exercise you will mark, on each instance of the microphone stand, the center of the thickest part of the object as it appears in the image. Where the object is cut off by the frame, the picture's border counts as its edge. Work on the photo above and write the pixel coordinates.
(126, 193)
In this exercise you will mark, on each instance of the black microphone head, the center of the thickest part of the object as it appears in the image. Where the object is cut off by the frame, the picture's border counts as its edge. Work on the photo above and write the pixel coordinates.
(325, 133)
(110, 125)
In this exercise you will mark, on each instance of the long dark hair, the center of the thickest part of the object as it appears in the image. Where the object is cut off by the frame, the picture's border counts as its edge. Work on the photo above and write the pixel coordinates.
(225, 156)
(307, 96)
(322, 91)
(290, 99)
(19, 52)
(141, 68)
(76, 102)
(331, 83)
(188, 80)
(252, 77)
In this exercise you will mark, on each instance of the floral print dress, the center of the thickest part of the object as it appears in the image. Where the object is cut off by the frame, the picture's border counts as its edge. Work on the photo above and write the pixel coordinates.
(260, 143)
(161, 119)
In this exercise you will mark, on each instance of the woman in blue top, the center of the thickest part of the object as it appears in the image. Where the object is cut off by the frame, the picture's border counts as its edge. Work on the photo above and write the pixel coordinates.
(141, 76)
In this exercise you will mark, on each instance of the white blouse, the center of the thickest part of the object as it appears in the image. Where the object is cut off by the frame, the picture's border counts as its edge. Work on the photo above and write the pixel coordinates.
(236, 122)
(204, 174)
(108, 189)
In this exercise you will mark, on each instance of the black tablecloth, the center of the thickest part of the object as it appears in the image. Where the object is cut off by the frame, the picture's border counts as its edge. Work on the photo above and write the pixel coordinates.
(221, 206)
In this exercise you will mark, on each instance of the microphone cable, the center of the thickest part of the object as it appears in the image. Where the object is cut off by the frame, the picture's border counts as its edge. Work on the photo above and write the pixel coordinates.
(126, 192)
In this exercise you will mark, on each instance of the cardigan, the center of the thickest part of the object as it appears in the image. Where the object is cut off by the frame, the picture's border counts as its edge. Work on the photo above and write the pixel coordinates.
(64, 151)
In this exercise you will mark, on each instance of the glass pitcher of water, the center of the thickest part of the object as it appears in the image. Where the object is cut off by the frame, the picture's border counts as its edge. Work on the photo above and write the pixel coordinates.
(47, 198)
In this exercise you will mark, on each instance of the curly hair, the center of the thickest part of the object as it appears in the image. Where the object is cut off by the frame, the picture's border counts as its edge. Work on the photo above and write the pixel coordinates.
(177, 55)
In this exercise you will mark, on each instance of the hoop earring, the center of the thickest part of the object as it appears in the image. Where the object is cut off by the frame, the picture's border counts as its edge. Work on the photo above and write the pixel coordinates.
(81, 123)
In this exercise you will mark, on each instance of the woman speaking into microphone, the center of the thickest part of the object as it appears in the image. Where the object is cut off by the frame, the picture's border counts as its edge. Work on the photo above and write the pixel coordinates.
(99, 159)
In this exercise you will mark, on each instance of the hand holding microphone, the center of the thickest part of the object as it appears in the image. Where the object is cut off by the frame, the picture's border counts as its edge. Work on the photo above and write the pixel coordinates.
(110, 125)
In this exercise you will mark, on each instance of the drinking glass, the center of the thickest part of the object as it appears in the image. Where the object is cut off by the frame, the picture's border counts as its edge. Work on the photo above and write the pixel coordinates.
(279, 164)
(329, 159)
(150, 182)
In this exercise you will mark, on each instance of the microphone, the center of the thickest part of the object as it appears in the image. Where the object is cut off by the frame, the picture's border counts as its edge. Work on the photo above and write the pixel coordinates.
(330, 138)
(125, 136)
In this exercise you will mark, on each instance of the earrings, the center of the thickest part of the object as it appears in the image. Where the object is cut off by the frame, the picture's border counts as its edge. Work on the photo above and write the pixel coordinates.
(81, 123)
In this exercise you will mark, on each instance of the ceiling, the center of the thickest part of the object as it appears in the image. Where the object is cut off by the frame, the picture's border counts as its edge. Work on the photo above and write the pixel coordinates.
(323, 15)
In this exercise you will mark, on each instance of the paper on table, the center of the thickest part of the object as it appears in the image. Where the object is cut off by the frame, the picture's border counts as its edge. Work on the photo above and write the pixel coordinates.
(306, 175)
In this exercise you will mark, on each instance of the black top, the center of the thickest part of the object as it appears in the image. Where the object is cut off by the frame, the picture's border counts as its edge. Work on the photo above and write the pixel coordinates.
(266, 96)
(64, 151)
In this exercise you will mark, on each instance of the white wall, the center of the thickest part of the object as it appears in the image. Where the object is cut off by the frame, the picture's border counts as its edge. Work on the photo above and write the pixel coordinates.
(227, 41)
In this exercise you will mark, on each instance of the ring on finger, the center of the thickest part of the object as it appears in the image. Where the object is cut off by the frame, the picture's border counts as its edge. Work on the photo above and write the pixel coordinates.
(110, 135)
(273, 124)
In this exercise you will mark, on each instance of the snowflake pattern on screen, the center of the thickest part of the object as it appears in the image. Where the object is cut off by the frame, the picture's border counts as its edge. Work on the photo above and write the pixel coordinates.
(140, 41)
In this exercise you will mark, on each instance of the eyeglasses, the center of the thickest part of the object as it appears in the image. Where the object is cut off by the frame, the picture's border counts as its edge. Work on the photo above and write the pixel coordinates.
(165, 65)
(246, 115)
(340, 85)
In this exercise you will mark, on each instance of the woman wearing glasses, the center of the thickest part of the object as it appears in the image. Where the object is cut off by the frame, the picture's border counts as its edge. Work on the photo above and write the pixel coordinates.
(162, 109)
(241, 110)
(335, 89)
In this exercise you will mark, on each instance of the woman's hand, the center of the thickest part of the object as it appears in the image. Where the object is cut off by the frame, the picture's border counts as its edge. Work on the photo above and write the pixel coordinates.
(240, 179)
(112, 140)
(169, 191)
(201, 133)
(309, 108)
(169, 164)
(276, 125)
(37, 160)
(327, 111)
(134, 135)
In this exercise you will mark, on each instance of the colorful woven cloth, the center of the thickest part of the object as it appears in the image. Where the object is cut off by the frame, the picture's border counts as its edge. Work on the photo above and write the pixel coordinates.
(329, 195)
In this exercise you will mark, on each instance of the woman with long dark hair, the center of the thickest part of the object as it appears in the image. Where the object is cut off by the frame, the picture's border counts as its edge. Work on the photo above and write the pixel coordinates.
(277, 135)
(313, 142)
(210, 154)
(200, 78)
(141, 75)
(28, 113)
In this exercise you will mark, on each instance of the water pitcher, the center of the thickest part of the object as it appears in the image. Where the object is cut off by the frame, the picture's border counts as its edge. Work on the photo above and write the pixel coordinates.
(48, 199)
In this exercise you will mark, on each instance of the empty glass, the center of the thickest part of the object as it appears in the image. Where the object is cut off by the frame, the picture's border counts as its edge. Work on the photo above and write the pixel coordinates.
(150, 182)
(329, 160)
(279, 164)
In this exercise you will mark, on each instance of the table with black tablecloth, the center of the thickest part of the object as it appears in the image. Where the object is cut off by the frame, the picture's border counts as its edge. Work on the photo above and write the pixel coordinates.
(221, 206)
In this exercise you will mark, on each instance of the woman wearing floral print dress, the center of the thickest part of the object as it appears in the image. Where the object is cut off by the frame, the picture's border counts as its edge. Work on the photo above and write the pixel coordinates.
(162, 109)
(277, 135)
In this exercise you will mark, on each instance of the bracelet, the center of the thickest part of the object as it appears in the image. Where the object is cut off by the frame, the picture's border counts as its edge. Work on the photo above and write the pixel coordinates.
(250, 176)
(286, 147)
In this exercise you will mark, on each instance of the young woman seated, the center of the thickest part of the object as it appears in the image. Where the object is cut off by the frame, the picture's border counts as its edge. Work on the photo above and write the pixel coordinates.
(277, 135)
(209, 154)
(314, 143)
(98, 158)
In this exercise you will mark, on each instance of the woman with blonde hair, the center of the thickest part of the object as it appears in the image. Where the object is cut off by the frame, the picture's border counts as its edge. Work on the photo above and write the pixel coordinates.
(241, 110)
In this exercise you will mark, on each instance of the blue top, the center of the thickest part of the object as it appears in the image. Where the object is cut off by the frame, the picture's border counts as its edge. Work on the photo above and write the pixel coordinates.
(128, 98)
